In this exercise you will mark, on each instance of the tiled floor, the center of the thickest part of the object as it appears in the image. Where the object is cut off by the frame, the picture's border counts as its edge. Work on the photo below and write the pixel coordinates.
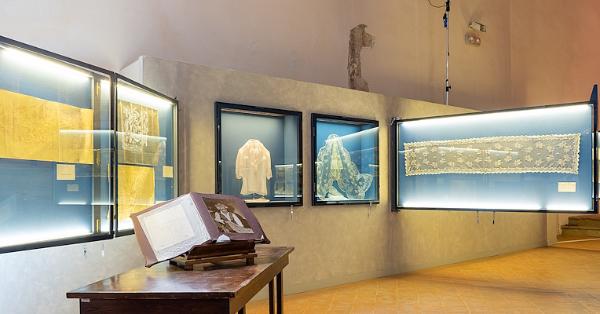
(545, 280)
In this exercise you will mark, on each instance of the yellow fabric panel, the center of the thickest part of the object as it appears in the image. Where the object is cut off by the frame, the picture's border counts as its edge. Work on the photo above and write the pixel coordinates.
(35, 128)
(138, 136)
(76, 147)
(30, 129)
(136, 189)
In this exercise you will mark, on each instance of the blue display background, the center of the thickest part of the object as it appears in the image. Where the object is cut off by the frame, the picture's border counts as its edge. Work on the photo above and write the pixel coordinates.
(526, 191)
(32, 201)
(362, 146)
(279, 135)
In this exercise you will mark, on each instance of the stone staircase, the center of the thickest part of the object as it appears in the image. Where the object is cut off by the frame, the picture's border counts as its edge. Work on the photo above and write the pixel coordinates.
(582, 226)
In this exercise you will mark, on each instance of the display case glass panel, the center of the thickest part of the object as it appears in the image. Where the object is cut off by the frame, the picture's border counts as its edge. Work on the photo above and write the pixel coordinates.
(259, 154)
(345, 160)
(146, 150)
(55, 149)
(536, 159)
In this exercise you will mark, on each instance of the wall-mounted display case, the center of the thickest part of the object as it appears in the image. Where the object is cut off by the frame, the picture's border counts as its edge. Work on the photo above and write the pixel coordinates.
(146, 144)
(55, 149)
(259, 154)
(81, 148)
(345, 160)
(533, 159)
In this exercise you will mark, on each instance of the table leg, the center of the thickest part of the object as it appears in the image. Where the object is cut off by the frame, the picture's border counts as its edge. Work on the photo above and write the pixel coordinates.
(272, 297)
(280, 293)
(242, 310)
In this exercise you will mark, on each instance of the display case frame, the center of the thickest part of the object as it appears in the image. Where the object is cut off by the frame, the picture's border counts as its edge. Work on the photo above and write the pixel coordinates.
(87, 67)
(394, 158)
(315, 149)
(219, 107)
(175, 128)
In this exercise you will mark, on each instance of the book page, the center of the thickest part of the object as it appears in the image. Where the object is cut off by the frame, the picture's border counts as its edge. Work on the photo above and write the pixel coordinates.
(168, 227)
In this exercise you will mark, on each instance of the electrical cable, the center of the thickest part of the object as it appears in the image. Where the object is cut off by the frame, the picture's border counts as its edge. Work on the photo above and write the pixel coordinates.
(436, 6)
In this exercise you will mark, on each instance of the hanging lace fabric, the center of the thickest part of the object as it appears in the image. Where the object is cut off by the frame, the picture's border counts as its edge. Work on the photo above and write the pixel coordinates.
(552, 153)
(334, 165)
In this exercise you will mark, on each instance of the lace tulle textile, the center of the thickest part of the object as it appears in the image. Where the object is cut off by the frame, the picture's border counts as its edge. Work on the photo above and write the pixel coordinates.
(554, 153)
(335, 165)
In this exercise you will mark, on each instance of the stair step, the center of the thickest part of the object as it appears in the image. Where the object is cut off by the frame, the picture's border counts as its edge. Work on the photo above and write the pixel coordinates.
(585, 220)
(573, 230)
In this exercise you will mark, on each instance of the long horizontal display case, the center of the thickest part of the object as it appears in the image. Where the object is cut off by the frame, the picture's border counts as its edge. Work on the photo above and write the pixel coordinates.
(538, 159)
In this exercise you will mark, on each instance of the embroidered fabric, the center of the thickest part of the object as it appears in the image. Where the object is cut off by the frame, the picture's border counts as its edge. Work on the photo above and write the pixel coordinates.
(335, 165)
(139, 135)
(553, 153)
(37, 129)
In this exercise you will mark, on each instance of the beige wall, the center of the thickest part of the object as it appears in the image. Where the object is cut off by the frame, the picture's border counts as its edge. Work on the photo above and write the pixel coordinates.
(409, 57)
(555, 58)
(304, 40)
(554, 50)
(334, 244)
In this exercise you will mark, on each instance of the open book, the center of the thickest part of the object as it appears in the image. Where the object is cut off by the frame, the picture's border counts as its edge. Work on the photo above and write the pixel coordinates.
(172, 228)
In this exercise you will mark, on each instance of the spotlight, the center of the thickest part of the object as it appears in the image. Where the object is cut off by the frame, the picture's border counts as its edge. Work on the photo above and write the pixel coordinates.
(476, 26)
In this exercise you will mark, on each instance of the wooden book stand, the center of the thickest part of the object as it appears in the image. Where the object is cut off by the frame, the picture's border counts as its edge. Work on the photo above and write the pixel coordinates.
(205, 255)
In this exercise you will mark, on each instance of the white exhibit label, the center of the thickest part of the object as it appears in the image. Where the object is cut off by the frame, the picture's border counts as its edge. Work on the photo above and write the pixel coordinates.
(65, 172)
(167, 171)
(567, 187)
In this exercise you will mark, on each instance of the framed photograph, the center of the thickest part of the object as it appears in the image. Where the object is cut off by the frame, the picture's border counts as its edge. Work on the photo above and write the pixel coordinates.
(345, 160)
(259, 154)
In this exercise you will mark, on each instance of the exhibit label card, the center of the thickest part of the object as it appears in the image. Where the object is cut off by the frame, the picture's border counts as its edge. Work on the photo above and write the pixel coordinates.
(65, 172)
(167, 171)
(567, 187)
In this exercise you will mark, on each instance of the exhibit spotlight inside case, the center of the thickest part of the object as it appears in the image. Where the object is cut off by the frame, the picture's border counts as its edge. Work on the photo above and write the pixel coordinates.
(259, 154)
(345, 160)
(534, 159)
(55, 148)
(146, 150)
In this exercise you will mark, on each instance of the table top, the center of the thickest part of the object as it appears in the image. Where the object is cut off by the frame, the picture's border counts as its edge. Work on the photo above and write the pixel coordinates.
(171, 282)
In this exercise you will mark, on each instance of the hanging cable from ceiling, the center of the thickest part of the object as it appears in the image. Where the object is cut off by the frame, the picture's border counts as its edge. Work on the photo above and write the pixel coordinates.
(446, 20)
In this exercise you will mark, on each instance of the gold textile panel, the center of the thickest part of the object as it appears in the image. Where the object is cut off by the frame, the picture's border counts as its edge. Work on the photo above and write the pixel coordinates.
(138, 135)
(554, 153)
(36, 129)
(136, 189)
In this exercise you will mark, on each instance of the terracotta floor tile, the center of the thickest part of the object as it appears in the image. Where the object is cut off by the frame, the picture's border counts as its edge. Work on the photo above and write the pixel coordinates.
(563, 279)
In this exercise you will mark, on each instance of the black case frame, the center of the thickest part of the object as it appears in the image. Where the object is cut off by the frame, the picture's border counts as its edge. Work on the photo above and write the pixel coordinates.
(313, 159)
(114, 119)
(394, 159)
(249, 109)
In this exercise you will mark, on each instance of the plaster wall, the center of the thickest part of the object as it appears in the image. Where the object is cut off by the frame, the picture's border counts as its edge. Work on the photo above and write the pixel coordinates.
(334, 244)
(303, 40)
(554, 58)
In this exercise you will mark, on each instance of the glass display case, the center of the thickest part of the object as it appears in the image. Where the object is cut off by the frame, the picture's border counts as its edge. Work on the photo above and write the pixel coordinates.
(259, 154)
(534, 159)
(345, 160)
(146, 171)
(55, 149)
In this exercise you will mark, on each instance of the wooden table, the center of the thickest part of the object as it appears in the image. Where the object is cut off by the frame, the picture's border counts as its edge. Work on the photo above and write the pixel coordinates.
(165, 288)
